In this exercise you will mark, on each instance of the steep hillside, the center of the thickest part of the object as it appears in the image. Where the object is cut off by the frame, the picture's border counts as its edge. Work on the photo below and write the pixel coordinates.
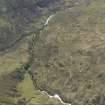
(52, 48)
(69, 56)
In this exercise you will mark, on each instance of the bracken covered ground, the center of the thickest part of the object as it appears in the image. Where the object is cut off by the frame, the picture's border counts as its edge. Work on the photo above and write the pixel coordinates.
(65, 57)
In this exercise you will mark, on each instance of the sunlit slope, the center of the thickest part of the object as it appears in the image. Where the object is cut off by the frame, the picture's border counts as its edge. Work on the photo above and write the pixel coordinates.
(69, 57)
(33, 96)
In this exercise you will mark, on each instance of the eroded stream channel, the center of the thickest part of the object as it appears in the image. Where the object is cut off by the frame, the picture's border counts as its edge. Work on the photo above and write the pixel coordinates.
(55, 96)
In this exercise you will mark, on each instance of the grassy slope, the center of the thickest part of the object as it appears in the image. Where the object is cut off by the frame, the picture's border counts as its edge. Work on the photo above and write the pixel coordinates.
(69, 58)
(14, 59)
(56, 71)
(10, 63)
(33, 96)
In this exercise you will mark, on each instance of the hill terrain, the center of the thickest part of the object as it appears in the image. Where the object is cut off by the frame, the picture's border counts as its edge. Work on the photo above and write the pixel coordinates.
(52, 47)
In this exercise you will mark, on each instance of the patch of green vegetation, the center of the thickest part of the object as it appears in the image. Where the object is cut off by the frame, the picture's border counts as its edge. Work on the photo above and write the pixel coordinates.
(8, 90)
(4, 23)
(32, 95)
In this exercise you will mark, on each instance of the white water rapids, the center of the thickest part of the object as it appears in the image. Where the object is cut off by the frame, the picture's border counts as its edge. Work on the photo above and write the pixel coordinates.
(48, 19)
(56, 96)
